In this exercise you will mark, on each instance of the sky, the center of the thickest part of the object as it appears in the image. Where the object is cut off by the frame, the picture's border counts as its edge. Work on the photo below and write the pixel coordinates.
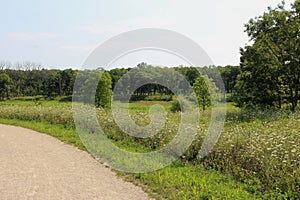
(63, 33)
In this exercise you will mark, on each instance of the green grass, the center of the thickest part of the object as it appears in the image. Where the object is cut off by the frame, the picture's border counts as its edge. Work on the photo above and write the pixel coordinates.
(257, 155)
(46, 103)
(192, 182)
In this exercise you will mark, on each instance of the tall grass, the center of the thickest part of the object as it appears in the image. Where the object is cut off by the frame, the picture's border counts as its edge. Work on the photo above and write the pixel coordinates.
(259, 149)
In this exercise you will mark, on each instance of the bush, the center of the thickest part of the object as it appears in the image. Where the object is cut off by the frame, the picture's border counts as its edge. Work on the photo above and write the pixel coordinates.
(175, 106)
(181, 104)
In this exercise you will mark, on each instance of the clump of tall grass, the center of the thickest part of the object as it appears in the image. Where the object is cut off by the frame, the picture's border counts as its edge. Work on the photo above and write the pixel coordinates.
(52, 114)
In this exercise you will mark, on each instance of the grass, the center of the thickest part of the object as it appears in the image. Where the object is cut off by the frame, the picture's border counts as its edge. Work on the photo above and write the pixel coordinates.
(257, 155)
(192, 182)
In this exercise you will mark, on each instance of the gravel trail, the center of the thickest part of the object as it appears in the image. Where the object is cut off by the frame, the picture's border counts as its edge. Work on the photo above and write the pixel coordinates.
(38, 166)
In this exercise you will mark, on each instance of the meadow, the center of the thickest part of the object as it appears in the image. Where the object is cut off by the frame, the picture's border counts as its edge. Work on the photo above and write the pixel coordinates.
(256, 157)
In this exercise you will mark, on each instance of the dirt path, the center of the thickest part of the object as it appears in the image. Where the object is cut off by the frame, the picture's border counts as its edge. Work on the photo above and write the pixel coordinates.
(37, 166)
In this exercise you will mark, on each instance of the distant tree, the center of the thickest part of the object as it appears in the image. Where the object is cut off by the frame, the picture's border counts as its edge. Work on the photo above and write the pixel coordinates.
(68, 77)
(229, 75)
(104, 91)
(5, 84)
(192, 74)
(204, 88)
(214, 73)
(54, 84)
(116, 74)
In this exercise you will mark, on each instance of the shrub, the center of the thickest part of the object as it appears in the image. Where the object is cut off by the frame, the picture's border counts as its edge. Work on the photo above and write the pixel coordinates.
(181, 104)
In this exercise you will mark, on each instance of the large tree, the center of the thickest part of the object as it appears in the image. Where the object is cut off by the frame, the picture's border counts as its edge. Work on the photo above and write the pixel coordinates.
(270, 67)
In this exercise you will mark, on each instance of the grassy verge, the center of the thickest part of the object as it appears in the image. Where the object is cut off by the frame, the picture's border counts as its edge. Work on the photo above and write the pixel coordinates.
(191, 182)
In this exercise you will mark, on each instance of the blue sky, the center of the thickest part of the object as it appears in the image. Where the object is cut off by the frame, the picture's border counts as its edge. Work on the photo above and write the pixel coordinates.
(61, 34)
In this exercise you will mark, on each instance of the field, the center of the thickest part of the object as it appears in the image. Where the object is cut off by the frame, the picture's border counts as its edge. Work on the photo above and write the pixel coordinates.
(256, 157)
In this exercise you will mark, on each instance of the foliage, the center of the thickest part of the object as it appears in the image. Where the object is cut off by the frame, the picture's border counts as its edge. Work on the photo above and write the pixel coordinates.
(30, 79)
(93, 87)
(104, 91)
(270, 67)
(34, 82)
(205, 91)
(5, 83)
(116, 74)
(180, 104)
(229, 75)
(175, 106)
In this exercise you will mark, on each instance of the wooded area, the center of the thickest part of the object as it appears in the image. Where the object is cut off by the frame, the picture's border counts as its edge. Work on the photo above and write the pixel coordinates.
(268, 75)
(54, 83)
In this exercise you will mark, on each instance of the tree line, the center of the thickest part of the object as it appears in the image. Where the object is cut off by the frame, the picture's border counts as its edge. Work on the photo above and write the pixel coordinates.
(48, 83)
(25, 81)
